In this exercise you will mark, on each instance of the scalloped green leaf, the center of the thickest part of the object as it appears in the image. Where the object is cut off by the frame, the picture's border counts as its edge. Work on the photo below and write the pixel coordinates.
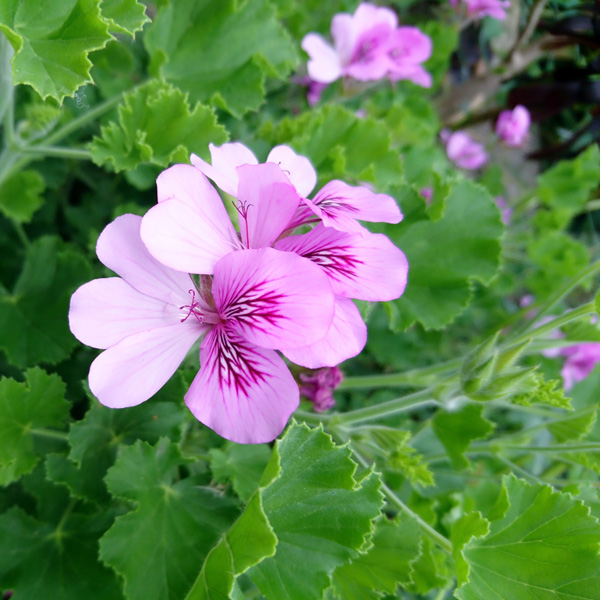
(385, 566)
(174, 525)
(320, 512)
(447, 254)
(546, 546)
(220, 51)
(156, 126)
(33, 318)
(464, 529)
(37, 404)
(21, 195)
(52, 40)
(124, 16)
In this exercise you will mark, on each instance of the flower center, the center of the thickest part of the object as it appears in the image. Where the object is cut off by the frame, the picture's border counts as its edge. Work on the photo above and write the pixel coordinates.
(192, 309)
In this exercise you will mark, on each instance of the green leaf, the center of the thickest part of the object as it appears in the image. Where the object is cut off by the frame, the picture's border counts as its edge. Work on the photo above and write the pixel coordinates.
(566, 187)
(26, 407)
(124, 16)
(52, 40)
(385, 566)
(573, 427)
(545, 392)
(545, 546)
(445, 255)
(464, 530)
(6, 88)
(21, 195)
(456, 430)
(243, 465)
(33, 319)
(444, 39)
(430, 570)
(175, 524)
(321, 514)
(156, 126)
(220, 51)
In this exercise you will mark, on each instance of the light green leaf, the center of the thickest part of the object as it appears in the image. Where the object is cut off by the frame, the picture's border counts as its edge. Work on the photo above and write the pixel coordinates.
(220, 50)
(25, 407)
(385, 566)
(573, 427)
(456, 430)
(156, 126)
(243, 465)
(124, 16)
(430, 570)
(445, 255)
(321, 514)
(33, 319)
(52, 39)
(545, 392)
(172, 529)
(21, 195)
(545, 547)
(6, 88)
(467, 527)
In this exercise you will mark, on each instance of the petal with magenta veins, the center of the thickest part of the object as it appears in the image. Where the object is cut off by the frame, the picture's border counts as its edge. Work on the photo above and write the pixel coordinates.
(346, 338)
(339, 205)
(267, 202)
(324, 65)
(133, 370)
(297, 167)
(105, 311)
(121, 249)
(273, 299)
(225, 159)
(244, 393)
(364, 266)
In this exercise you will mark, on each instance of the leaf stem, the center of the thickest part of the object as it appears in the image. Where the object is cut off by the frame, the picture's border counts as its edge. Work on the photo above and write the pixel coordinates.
(76, 153)
(50, 433)
(21, 234)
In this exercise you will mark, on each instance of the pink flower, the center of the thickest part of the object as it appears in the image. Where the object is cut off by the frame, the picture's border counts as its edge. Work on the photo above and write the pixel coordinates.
(146, 320)
(368, 45)
(318, 387)
(427, 193)
(580, 362)
(512, 126)
(496, 9)
(463, 151)
(506, 210)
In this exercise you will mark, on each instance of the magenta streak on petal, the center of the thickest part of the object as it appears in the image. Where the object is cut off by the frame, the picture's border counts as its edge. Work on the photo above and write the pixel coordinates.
(234, 365)
(335, 202)
(336, 261)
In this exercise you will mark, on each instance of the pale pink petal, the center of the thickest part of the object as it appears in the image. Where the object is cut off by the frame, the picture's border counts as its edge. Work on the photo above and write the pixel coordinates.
(415, 73)
(409, 45)
(267, 202)
(324, 65)
(133, 370)
(346, 338)
(339, 205)
(189, 230)
(104, 311)
(297, 167)
(120, 248)
(273, 299)
(464, 151)
(246, 394)
(368, 15)
(512, 126)
(344, 34)
(364, 266)
(225, 160)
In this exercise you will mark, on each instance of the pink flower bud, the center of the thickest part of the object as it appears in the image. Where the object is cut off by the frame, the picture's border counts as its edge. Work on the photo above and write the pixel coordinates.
(512, 126)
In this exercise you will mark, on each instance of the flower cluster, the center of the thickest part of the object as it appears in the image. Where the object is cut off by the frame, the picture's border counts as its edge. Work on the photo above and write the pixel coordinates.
(477, 9)
(185, 273)
(368, 46)
(513, 125)
(463, 150)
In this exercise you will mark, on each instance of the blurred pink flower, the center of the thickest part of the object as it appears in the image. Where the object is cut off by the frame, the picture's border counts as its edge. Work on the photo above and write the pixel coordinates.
(506, 210)
(496, 9)
(463, 150)
(318, 387)
(580, 362)
(369, 45)
(512, 126)
(427, 193)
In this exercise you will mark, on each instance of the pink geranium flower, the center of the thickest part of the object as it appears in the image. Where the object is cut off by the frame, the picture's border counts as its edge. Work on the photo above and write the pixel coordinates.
(580, 362)
(369, 45)
(147, 319)
(463, 150)
(496, 9)
(512, 126)
(318, 387)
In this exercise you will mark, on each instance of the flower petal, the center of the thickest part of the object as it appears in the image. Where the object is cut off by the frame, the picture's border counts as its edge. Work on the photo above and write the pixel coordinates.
(246, 394)
(365, 266)
(267, 202)
(133, 370)
(120, 248)
(324, 65)
(339, 205)
(273, 299)
(346, 338)
(105, 311)
(189, 230)
(225, 159)
(297, 167)
(343, 32)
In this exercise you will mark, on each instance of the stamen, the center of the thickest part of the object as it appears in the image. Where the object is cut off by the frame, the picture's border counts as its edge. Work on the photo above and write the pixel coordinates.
(242, 209)
(284, 170)
(192, 309)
